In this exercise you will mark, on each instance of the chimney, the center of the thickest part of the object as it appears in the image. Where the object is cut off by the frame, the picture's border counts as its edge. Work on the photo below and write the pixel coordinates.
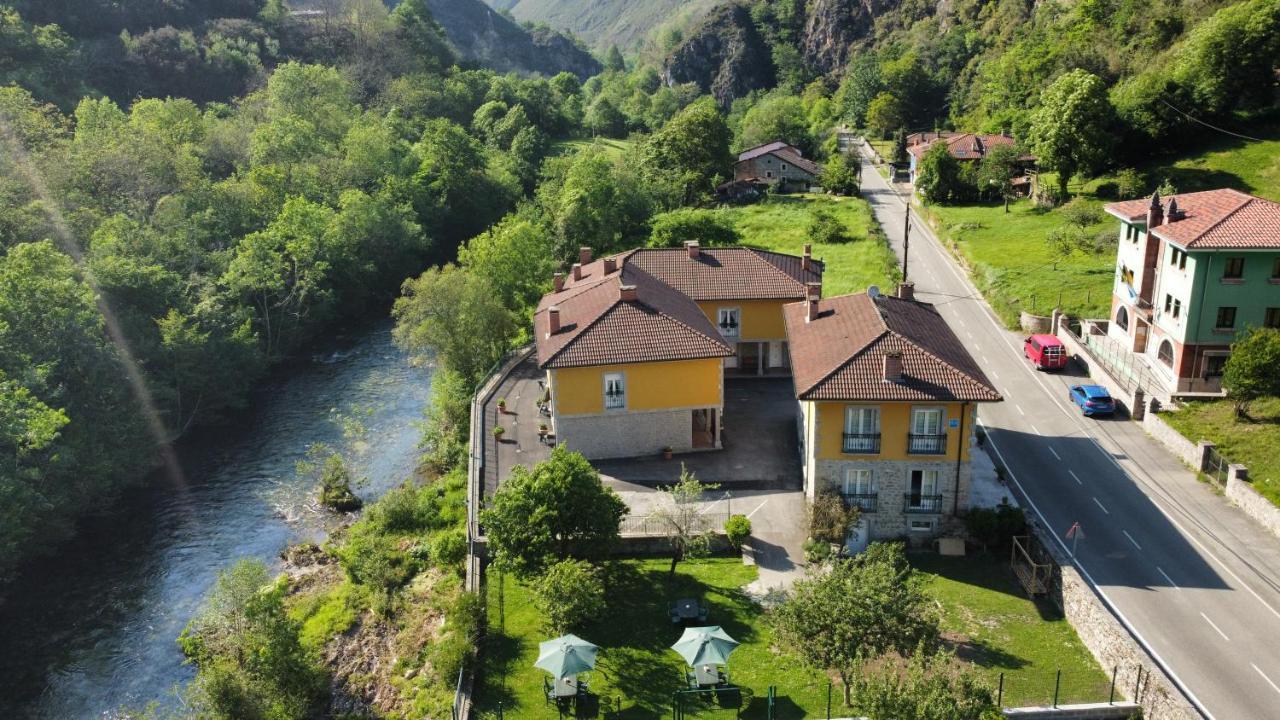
(610, 265)
(1173, 213)
(806, 258)
(576, 270)
(813, 290)
(893, 367)
(584, 256)
(907, 290)
(812, 309)
(1155, 212)
(627, 293)
(557, 281)
(692, 248)
(553, 320)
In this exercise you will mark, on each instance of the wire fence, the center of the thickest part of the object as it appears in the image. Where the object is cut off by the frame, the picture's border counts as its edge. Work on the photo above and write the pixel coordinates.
(1055, 687)
(656, 525)
(1216, 467)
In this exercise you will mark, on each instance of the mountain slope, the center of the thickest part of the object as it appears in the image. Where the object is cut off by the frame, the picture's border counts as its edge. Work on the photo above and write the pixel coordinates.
(725, 56)
(483, 35)
(602, 23)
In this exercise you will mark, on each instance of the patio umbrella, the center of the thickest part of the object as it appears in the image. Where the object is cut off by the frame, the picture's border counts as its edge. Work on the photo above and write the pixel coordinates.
(566, 655)
(705, 646)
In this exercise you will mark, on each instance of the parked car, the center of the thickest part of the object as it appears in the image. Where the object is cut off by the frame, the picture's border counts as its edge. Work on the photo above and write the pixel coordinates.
(1046, 352)
(1092, 400)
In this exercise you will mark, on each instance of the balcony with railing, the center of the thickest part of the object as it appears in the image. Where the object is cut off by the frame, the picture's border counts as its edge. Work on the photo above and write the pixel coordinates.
(918, 503)
(862, 443)
(927, 444)
(865, 502)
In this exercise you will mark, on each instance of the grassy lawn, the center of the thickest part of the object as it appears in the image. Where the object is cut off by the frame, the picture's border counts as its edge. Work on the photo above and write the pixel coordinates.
(1251, 442)
(985, 615)
(997, 628)
(781, 224)
(613, 148)
(1015, 268)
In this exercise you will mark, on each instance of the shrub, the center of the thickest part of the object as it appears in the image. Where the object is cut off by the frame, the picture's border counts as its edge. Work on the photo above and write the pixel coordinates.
(449, 548)
(993, 527)
(827, 228)
(568, 593)
(709, 228)
(1109, 190)
(829, 519)
(1082, 213)
(738, 529)
(330, 470)
(842, 174)
(1130, 184)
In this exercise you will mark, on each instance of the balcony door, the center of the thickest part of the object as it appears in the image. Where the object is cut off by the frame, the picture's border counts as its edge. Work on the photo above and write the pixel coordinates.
(924, 489)
(862, 429)
(926, 432)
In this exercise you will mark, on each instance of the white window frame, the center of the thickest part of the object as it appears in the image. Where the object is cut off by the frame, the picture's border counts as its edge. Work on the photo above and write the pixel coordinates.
(918, 412)
(859, 481)
(923, 526)
(621, 380)
(861, 413)
(734, 313)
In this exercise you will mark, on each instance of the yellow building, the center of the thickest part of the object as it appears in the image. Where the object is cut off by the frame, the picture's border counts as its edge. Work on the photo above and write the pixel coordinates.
(888, 397)
(636, 346)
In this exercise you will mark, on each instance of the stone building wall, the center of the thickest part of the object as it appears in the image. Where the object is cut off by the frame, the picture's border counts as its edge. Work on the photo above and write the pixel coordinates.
(626, 434)
(893, 480)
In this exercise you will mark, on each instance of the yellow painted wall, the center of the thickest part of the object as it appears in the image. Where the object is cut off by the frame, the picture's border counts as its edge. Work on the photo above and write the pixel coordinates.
(895, 423)
(761, 319)
(650, 386)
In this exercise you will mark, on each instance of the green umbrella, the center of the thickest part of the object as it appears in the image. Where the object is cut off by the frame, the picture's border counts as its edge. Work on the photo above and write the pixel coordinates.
(566, 655)
(705, 646)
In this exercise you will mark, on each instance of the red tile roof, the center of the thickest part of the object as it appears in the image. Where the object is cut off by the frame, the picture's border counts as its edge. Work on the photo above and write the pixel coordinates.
(966, 146)
(840, 354)
(1212, 220)
(665, 322)
(759, 150)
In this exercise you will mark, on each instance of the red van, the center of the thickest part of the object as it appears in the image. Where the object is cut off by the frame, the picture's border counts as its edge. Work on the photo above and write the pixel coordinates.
(1046, 352)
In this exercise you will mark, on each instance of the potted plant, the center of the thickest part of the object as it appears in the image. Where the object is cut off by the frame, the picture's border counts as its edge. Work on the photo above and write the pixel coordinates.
(666, 453)
(543, 430)
(502, 405)
(498, 432)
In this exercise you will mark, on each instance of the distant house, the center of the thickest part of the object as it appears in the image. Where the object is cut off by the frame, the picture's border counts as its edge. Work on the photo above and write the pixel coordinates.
(888, 395)
(777, 163)
(1191, 272)
(966, 147)
(636, 346)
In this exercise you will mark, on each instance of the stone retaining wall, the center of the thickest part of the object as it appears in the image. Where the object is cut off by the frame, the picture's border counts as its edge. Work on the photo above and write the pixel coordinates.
(1242, 495)
(1035, 324)
(1111, 643)
(1175, 442)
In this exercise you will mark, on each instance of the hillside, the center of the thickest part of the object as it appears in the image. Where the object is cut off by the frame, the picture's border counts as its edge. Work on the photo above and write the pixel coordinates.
(604, 23)
(485, 36)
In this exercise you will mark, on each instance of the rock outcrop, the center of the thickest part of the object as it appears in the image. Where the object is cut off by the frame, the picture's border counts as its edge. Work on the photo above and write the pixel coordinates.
(725, 56)
(833, 29)
(484, 36)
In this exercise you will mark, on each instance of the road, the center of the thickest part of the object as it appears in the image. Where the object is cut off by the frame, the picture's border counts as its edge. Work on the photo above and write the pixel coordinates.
(1192, 577)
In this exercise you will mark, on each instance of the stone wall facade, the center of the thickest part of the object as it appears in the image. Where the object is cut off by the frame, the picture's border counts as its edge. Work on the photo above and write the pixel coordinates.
(1084, 711)
(893, 482)
(1241, 494)
(627, 434)
(1189, 452)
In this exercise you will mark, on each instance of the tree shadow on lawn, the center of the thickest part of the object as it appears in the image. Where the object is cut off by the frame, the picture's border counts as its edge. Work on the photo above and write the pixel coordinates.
(500, 654)
(979, 652)
(989, 571)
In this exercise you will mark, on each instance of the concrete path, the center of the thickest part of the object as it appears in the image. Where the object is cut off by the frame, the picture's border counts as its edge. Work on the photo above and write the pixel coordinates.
(1195, 580)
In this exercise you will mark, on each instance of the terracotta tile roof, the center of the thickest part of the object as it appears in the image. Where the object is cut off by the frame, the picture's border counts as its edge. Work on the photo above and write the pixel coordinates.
(966, 146)
(759, 150)
(727, 273)
(1212, 220)
(790, 155)
(840, 355)
(598, 327)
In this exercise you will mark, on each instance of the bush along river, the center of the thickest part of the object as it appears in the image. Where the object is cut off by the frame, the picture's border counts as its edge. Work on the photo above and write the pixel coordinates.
(93, 628)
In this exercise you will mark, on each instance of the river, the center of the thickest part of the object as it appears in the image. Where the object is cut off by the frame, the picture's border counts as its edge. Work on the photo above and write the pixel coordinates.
(94, 628)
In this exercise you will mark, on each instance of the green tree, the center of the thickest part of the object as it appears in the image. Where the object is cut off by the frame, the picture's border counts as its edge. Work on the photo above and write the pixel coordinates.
(554, 510)
(885, 113)
(830, 519)
(931, 687)
(516, 257)
(842, 174)
(939, 176)
(680, 514)
(777, 117)
(597, 202)
(901, 157)
(863, 608)
(1253, 368)
(249, 661)
(859, 86)
(604, 118)
(613, 61)
(826, 228)
(691, 150)
(423, 36)
(458, 316)
(996, 171)
(327, 468)
(1070, 131)
(568, 594)
(708, 227)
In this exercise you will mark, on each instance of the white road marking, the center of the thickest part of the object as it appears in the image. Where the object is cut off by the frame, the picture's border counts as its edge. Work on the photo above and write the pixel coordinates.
(1104, 509)
(1055, 453)
(1215, 627)
(1019, 408)
(1167, 578)
(753, 512)
(994, 375)
(985, 361)
(1264, 677)
(1072, 473)
(1102, 592)
(1036, 430)
(1135, 542)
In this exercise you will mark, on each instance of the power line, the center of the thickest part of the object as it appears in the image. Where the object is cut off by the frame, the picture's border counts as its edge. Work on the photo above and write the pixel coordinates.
(1211, 127)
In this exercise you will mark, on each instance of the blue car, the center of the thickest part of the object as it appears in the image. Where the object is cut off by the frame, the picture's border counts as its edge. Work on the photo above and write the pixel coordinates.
(1092, 399)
